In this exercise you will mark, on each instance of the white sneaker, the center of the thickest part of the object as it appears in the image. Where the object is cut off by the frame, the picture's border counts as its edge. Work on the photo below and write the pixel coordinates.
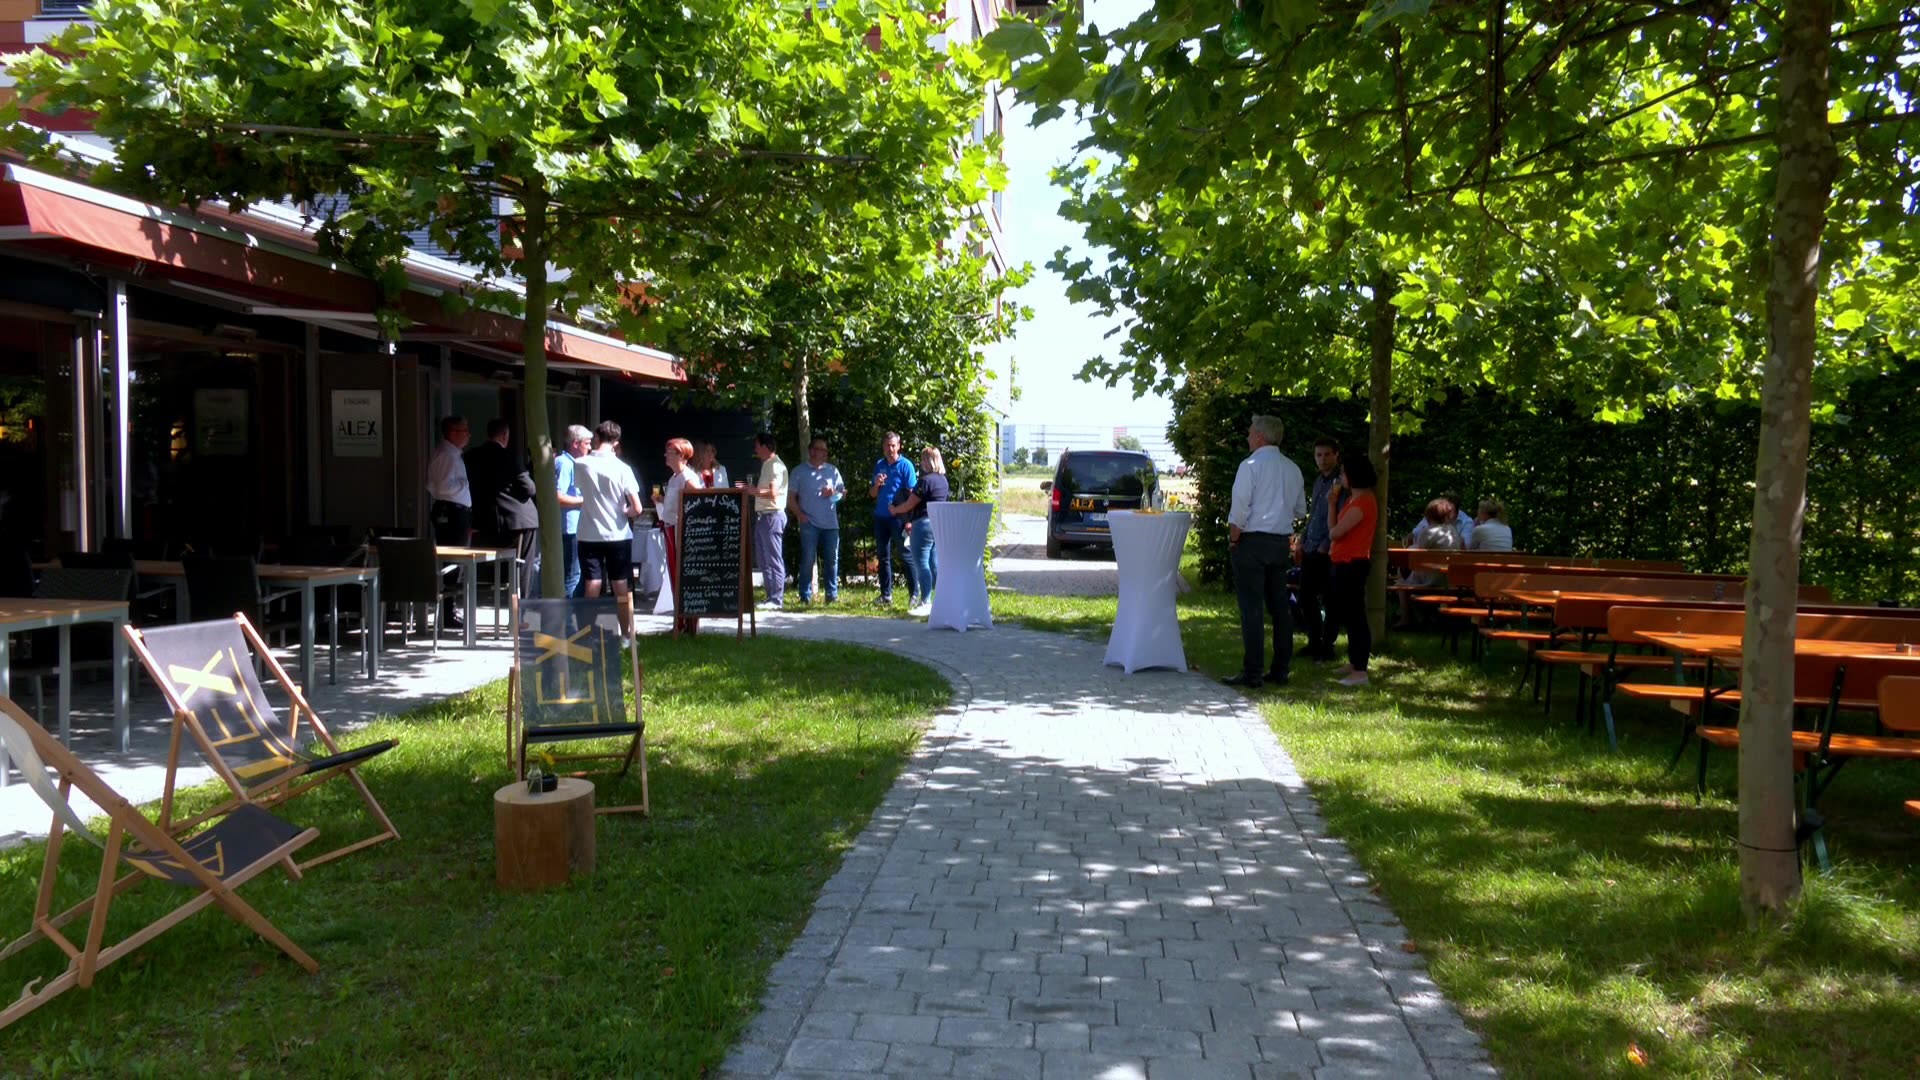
(1358, 678)
(1343, 671)
(921, 610)
(626, 641)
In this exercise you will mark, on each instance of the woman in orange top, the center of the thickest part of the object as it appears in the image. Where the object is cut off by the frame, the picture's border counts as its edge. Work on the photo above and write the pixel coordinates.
(1352, 555)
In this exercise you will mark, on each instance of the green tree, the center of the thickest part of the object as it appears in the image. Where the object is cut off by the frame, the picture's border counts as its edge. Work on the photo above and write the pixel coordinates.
(1020, 457)
(1040, 456)
(618, 142)
(1127, 442)
(1620, 168)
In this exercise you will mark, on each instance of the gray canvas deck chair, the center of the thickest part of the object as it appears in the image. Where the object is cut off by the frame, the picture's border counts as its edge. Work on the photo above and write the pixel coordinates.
(566, 685)
(206, 670)
(210, 865)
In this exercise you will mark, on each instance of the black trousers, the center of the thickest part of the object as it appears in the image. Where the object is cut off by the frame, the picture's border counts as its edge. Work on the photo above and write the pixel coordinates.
(1260, 562)
(1350, 609)
(1316, 597)
(451, 525)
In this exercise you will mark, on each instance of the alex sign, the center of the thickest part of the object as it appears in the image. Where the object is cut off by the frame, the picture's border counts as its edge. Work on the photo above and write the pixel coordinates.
(357, 423)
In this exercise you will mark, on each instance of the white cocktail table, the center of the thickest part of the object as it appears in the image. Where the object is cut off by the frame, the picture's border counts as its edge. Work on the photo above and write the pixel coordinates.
(960, 543)
(1146, 628)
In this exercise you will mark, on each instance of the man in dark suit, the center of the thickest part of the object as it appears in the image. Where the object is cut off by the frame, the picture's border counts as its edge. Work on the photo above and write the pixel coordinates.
(504, 514)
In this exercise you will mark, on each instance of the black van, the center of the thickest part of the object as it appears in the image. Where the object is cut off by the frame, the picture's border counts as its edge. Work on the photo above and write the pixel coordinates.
(1088, 483)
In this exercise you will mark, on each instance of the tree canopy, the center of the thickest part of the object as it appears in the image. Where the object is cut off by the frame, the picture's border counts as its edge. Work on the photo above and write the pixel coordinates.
(1619, 200)
(618, 142)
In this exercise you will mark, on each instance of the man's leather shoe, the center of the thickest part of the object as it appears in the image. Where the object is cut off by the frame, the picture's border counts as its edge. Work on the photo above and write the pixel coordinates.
(1245, 682)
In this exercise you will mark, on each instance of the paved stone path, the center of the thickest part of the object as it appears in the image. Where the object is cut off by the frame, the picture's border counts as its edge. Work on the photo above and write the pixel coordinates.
(1086, 874)
(1020, 563)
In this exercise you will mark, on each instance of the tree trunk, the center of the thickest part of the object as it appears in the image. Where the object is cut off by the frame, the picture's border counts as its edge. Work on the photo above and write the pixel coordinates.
(1380, 441)
(1769, 855)
(533, 343)
(803, 415)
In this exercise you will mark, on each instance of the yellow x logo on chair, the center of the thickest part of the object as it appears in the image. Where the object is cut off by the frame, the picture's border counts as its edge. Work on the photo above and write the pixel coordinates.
(192, 681)
(554, 646)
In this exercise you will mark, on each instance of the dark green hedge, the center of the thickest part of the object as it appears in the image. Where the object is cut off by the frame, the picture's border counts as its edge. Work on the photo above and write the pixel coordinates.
(853, 427)
(1676, 484)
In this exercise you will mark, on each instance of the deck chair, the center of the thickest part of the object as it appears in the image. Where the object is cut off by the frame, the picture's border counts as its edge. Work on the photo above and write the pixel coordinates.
(565, 685)
(206, 671)
(211, 864)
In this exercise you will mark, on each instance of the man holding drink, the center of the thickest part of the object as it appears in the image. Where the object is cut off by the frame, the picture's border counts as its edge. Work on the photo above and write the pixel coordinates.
(893, 478)
(816, 492)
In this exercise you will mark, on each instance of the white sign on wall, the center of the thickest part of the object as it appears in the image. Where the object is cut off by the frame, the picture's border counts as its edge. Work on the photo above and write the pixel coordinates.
(220, 422)
(357, 424)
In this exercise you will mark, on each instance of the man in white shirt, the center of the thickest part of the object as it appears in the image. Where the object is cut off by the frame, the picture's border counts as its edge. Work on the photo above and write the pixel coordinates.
(451, 513)
(770, 520)
(1269, 495)
(610, 500)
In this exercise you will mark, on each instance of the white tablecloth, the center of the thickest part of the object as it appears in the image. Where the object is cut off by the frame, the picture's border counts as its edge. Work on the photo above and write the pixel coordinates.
(960, 544)
(650, 558)
(1146, 629)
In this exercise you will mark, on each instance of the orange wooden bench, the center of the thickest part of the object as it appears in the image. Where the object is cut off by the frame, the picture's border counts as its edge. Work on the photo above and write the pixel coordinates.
(1624, 623)
(1888, 684)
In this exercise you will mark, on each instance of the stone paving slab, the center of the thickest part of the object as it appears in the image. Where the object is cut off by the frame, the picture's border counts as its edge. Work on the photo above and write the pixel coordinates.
(1088, 874)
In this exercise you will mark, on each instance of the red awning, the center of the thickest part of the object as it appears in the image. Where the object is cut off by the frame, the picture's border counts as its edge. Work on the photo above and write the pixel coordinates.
(102, 228)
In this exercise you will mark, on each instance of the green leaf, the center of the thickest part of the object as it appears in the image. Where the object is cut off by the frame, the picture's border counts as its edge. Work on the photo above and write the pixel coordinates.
(1016, 39)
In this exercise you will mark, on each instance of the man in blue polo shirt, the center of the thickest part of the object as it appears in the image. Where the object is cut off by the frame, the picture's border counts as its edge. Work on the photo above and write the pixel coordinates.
(893, 479)
(579, 441)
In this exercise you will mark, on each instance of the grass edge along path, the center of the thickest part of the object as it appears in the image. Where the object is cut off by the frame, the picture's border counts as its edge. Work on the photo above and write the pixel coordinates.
(1575, 905)
(768, 758)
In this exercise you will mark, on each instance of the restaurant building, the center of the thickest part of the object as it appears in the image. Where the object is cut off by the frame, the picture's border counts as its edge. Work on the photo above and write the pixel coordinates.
(209, 379)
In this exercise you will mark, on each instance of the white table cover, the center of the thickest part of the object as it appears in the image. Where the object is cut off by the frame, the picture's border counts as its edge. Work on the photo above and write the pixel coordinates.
(1146, 628)
(960, 544)
(650, 555)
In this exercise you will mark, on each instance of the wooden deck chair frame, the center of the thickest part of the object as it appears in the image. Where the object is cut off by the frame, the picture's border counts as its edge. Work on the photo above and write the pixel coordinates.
(281, 787)
(126, 823)
(517, 741)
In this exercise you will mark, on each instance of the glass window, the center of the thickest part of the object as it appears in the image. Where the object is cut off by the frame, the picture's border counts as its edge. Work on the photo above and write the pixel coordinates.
(1103, 473)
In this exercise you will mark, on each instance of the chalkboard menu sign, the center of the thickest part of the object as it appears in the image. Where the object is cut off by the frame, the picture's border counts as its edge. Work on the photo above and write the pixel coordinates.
(715, 553)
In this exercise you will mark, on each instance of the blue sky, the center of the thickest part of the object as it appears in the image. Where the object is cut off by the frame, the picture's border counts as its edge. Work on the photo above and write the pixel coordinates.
(1062, 336)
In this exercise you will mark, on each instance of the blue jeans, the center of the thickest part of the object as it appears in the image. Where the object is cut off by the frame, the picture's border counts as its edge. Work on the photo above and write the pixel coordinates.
(768, 530)
(889, 537)
(825, 542)
(922, 558)
(570, 562)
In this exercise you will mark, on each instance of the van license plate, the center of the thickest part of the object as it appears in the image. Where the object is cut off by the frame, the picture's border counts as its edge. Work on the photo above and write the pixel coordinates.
(1096, 519)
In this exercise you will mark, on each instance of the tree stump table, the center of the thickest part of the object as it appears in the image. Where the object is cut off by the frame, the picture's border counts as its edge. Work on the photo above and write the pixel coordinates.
(541, 841)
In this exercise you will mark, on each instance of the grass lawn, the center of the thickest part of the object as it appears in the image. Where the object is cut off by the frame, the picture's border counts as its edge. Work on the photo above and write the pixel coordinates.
(1575, 903)
(763, 772)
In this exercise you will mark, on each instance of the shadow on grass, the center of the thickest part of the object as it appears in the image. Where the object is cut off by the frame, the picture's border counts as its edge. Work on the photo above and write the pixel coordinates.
(762, 772)
(1575, 901)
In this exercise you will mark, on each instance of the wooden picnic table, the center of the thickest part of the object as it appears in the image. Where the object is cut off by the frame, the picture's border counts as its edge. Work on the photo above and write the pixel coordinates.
(1731, 647)
(19, 616)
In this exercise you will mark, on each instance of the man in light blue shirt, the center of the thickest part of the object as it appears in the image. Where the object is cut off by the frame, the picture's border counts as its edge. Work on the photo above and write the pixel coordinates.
(816, 489)
(579, 441)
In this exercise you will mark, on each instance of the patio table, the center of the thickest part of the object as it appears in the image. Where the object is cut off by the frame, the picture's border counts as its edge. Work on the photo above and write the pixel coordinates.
(308, 581)
(22, 615)
(960, 543)
(473, 559)
(1146, 624)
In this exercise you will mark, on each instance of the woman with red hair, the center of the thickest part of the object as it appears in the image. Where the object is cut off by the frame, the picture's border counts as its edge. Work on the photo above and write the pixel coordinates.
(680, 476)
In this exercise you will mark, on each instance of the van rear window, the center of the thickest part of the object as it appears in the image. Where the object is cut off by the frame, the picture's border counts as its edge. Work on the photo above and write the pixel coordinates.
(1107, 474)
